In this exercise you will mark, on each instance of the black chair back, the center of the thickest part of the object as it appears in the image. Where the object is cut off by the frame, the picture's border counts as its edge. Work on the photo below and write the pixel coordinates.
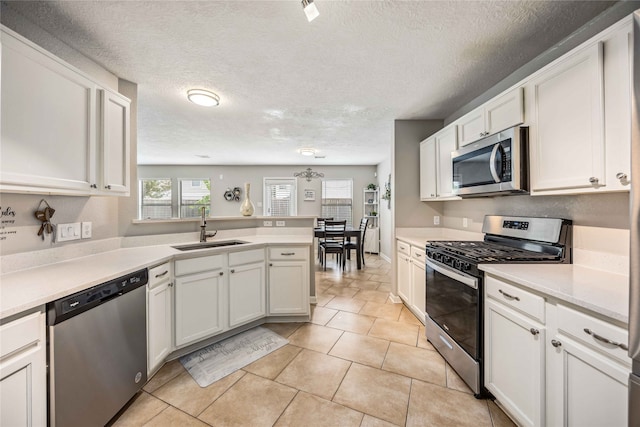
(321, 221)
(334, 231)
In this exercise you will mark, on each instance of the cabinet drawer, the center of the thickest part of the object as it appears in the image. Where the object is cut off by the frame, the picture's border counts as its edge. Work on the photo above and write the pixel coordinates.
(404, 248)
(21, 333)
(516, 298)
(246, 257)
(160, 274)
(196, 265)
(284, 253)
(576, 325)
(417, 254)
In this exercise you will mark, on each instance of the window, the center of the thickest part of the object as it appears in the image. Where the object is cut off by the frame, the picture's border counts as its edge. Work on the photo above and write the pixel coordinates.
(194, 195)
(155, 198)
(280, 197)
(337, 200)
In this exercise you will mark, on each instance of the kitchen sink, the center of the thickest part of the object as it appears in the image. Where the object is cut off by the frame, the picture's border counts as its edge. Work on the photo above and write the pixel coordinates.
(207, 245)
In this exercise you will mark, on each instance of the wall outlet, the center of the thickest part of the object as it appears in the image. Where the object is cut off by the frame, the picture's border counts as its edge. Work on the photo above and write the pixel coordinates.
(86, 230)
(65, 232)
(279, 223)
(267, 223)
(465, 222)
(436, 220)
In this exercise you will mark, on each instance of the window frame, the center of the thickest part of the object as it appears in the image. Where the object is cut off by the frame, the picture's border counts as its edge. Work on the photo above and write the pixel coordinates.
(324, 214)
(180, 199)
(141, 203)
(266, 199)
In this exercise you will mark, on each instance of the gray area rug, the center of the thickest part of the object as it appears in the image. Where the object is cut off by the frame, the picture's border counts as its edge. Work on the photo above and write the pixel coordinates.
(218, 360)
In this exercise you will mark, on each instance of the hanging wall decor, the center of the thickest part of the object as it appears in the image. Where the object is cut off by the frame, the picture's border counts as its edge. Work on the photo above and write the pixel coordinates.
(44, 215)
(387, 192)
(232, 195)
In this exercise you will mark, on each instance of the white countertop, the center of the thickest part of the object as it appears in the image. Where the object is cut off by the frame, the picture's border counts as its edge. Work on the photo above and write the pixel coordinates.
(26, 289)
(598, 291)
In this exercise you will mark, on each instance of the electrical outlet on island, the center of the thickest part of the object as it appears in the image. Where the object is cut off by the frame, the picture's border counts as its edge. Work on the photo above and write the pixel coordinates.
(436, 220)
(267, 223)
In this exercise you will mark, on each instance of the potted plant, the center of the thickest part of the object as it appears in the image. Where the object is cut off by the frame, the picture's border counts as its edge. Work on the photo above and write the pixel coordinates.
(374, 213)
(372, 187)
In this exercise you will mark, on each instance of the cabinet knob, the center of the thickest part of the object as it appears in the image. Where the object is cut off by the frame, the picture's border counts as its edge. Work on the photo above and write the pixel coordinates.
(221, 273)
(534, 331)
(171, 284)
(556, 343)
(93, 186)
(593, 180)
(232, 271)
(624, 179)
(108, 187)
(270, 264)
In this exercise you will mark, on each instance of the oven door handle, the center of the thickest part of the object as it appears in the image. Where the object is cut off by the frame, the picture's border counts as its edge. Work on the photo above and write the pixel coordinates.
(471, 282)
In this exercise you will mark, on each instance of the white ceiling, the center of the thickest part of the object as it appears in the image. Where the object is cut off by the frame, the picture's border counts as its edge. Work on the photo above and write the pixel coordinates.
(335, 84)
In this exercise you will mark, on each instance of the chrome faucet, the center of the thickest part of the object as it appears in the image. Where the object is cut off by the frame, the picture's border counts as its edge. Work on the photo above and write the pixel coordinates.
(203, 227)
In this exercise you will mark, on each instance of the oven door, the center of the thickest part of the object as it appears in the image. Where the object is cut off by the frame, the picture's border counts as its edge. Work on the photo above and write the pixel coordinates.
(452, 303)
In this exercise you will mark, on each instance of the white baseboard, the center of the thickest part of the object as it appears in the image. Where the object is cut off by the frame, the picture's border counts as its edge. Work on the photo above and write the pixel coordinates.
(313, 300)
(385, 257)
(395, 299)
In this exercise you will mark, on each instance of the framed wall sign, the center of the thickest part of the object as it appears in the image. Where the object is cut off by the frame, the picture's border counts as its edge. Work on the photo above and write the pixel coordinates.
(309, 195)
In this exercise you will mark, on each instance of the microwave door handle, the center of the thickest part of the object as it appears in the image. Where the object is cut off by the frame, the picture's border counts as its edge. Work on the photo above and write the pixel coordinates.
(492, 163)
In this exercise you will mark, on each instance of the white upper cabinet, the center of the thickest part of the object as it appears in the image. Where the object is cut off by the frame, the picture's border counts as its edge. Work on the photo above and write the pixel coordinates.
(53, 123)
(502, 112)
(578, 110)
(436, 173)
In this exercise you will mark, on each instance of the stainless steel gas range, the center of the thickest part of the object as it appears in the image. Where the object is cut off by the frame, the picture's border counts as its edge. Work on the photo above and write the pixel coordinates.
(454, 321)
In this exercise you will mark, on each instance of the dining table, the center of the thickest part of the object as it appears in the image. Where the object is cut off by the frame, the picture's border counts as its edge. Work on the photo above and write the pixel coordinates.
(349, 232)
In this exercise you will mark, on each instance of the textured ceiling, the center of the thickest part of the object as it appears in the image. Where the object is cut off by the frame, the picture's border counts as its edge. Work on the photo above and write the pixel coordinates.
(335, 84)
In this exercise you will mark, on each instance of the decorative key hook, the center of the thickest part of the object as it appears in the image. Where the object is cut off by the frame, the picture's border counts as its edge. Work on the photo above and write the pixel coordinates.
(44, 215)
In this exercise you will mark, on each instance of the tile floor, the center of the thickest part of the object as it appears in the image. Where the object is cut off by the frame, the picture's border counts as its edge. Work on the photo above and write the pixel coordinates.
(361, 361)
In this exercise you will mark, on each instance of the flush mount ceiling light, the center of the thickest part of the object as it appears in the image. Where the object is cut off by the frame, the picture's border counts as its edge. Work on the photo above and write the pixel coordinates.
(203, 97)
(307, 151)
(310, 10)
(308, 174)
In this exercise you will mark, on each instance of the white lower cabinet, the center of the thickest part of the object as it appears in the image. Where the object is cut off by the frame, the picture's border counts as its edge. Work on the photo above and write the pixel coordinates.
(159, 315)
(549, 364)
(411, 278)
(288, 280)
(23, 372)
(404, 271)
(247, 284)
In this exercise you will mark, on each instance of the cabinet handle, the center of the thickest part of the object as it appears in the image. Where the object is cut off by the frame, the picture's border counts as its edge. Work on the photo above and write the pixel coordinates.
(287, 253)
(605, 340)
(556, 343)
(162, 274)
(221, 273)
(534, 331)
(232, 271)
(93, 186)
(507, 295)
(171, 285)
(108, 187)
(593, 180)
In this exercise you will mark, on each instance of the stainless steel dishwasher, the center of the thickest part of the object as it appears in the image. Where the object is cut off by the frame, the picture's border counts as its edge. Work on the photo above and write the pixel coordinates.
(97, 351)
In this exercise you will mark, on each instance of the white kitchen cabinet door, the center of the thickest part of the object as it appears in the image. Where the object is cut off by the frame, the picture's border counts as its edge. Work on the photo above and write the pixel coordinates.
(593, 387)
(288, 287)
(247, 299)
(515, 363)
(404, 277)
(428, 169)
(471, 127)
(115, 143)
(567, 133)
(418, 290)
(504, 111)
(159, 322)
(446, 143)
(23, 372)
(200, 301)
(48, 122)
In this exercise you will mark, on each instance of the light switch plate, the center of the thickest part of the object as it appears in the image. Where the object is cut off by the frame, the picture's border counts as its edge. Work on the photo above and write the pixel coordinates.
(279, 223)
(66, 232)
(86, 230)
(436, 220)
(267, 223)
(465, 222)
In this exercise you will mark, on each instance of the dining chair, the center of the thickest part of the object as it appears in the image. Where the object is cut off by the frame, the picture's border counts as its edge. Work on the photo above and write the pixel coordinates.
(333, 241)
(320, 224)
(349, 245)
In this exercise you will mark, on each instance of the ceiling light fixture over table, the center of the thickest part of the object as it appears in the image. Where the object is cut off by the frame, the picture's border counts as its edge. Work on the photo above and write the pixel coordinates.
(308, 174)
(310, 10)
(307, 151)
(203, 97)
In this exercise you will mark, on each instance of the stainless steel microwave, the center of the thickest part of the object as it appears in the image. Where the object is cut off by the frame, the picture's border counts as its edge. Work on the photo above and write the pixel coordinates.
(493, 166)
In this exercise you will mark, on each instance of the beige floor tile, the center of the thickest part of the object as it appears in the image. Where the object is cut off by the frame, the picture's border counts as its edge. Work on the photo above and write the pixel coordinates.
(322, 299)
(437, 406)
(373, 295)
(342, 291)
(385, 311)
(381, 278)
(173, 417)
(369, 421)
(168, 372)
(454, 381)
(335, 281)
(355, 274)
(375, 269)
(351, 322)
(273, 363)
(315, 373)
(364, 284)
(142, 410)
(416, 363)
(185, 394)
(346, 304)
(403, 333)
(252, 401)
(407, 316)
(361, 348)
(499, 418)
(310, 410)
(386, 287)
(315, 337)
(382, 394)
(284, 329)
(422, 340)
(321, 315)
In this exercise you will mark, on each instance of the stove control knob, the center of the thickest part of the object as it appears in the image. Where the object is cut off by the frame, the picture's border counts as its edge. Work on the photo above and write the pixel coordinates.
(466, 266)
(457, 264)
